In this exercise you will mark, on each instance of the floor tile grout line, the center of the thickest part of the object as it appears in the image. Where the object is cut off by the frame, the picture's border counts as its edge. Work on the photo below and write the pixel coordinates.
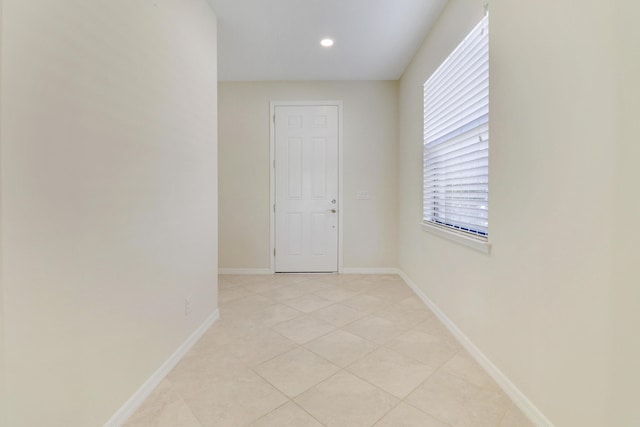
(310, 414)
(388, 412)
(307, 389)
(420, 385)
(268, 413)
(188, 406)
(442, 369)
(298, 346)
(382, 346)
(425, 412)
(303, 314)
(386, 345)
(389, 300)
(346, 324)
(362, 379)
(415, 360)
(344, 370)
(377, 346)
(399, 399)
(460, 377)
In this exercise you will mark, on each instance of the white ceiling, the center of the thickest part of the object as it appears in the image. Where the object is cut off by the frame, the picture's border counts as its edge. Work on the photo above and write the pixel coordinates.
(280, 39)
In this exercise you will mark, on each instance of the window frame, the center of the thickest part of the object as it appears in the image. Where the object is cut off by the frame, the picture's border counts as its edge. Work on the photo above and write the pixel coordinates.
(453, 229)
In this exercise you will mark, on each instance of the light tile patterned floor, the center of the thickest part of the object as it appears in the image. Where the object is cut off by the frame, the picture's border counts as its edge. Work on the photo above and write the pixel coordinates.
(326, 350)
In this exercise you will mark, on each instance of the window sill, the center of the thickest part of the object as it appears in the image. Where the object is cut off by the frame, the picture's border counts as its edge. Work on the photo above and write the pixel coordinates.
(477, 244)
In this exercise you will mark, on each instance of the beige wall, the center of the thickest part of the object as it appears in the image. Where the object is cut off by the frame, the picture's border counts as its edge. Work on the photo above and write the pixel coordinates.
(370, 111)
(625, 307)
(109, 211)
(3, 398)
(541, 305)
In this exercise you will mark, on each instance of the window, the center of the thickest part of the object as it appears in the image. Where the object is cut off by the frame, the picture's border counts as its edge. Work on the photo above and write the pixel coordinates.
(456, 139)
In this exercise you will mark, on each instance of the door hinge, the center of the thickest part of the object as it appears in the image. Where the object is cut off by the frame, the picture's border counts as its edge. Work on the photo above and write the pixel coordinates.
(274, 251)
(274, 207)
(274, 164)
(274, 118)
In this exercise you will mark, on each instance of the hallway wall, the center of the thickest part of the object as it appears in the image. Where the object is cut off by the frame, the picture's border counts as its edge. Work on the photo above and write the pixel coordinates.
(109, 198)
(3, 396)
(625, 292)
(370, 120)
(552, 305)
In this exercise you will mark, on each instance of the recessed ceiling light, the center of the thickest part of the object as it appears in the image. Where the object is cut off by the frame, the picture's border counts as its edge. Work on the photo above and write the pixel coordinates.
(326, 42)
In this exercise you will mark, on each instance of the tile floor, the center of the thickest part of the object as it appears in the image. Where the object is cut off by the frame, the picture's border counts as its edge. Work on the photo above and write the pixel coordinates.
(326, 350)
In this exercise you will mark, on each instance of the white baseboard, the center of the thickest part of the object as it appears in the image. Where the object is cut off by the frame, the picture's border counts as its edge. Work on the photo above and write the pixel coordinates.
(370, 271)
(518, 398)
(259, 271)
(134, 402)
(247, 271)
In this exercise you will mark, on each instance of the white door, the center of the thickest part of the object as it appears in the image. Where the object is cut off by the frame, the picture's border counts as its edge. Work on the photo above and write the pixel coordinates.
(306, 188)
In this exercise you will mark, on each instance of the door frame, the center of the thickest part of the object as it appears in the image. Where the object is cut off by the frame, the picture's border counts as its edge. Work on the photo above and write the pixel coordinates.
(272, 175)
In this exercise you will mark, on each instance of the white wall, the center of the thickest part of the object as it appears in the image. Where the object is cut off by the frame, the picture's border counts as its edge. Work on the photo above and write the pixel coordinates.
(370, 116)
(109, 188)
(540, 306)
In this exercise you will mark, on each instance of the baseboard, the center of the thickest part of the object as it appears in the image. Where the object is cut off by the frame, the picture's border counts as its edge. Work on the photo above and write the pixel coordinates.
(370, 271)
(247, 271)
(518, 398)
(134, 402)
(259, 271)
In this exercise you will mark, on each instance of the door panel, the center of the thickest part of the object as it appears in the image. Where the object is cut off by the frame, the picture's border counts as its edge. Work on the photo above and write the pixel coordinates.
(294, 168)
(306, 183)
(294, 234)
(319, 168)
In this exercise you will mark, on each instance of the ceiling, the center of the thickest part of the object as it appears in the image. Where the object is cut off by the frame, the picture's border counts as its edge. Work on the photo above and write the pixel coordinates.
(280, 39)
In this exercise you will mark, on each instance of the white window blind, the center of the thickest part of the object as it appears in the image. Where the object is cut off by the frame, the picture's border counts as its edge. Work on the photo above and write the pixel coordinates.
(456, 138)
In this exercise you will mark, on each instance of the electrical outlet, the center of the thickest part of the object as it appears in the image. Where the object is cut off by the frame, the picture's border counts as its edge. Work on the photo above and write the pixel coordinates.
(187, 305)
